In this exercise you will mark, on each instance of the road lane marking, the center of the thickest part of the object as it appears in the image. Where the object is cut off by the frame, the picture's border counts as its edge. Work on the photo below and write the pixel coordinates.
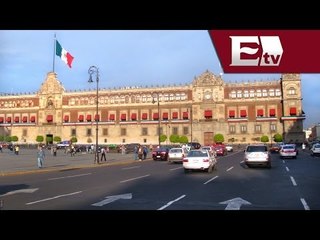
(169, 203)
(71, 176)
(172, 169)
(287, 169)
(126, 168)
(55, 197)
(27, 190)
(211, 179)
(304, 203)
(293, 181)
(110, 199)
(131, 179)
(283, 161)
(242, 161)
(229, 169)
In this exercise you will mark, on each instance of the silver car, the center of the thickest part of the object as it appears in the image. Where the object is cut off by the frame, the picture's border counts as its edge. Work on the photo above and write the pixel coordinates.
(177, 154)
(257, 155)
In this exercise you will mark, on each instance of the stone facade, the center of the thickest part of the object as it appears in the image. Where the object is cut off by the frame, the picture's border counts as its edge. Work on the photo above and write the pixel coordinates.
(242, 112)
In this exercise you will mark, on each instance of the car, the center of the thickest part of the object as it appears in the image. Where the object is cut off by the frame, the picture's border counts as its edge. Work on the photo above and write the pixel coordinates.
(193, 145)
(315, 150)
(229, 148)
(257, 155)
(220, 149)
(161, 153)
(177, 154)
(210, 149)
(288, 151)
(199, 159)
(275, 148)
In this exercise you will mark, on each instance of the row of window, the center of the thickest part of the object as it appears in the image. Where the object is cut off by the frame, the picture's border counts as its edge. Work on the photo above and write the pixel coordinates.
(165, 116)
(124, 99)
(243, 128)
(255, 93)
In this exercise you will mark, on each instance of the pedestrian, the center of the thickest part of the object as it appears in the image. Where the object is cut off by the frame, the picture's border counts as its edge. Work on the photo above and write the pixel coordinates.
(55, 151)
(0, 147)
(41, 155)
(303, 146)
(145, 152)
(140, 152)
(135, 152)
(103, 154)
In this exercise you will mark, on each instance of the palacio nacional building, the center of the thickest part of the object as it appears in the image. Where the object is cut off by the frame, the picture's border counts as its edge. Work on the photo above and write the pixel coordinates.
(242, 112)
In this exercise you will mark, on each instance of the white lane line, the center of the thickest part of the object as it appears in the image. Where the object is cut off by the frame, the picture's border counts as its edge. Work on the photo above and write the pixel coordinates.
(211, 179)
(48, 199)
(242, 161)
(169, 203)
(172, 169)
(229, 169)
(131, 179)
(293, 181)
(304, 203)
(287, 169)
(283, 161)
(126, 168)
(71, 176)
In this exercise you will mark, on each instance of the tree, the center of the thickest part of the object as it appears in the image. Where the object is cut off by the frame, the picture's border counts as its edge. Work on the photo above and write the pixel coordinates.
(1, 138)
(57, 139)
(14, 139)
(218, 138)
(39, 139)
(8, 139)
(163, 138)
(174, 138)
(183, 139)
(74, 140)
(278, 137)
(264, 139)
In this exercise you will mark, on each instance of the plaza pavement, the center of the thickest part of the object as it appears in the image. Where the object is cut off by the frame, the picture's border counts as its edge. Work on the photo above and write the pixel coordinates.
(26, 161)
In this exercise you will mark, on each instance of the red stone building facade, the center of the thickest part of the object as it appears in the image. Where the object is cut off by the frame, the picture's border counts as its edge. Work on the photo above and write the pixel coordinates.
(242, 112)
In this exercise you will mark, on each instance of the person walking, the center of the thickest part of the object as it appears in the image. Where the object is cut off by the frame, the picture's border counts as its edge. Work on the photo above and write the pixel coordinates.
(41, 155)
(103, 154)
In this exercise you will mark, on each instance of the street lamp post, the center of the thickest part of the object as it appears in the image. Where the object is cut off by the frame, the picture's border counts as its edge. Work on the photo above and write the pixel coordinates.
(94, 70)
(158, 117)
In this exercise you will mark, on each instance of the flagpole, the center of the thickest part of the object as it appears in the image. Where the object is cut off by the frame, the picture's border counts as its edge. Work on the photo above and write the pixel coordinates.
(54, 51)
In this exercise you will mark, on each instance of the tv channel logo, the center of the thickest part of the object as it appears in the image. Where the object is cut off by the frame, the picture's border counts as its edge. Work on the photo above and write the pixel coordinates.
(256, 51)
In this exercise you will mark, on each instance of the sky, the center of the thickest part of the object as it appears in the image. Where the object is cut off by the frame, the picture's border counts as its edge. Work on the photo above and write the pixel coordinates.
(124, 58)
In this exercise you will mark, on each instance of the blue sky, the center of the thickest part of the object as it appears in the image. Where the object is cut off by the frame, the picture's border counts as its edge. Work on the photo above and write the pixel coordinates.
(125, 58)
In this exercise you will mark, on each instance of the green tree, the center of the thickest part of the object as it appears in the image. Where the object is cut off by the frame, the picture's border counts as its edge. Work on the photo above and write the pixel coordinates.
(7, 139)
(174, 138)
(163, 138)
(183, 139)
(14, 139)
(39, 139)
(218, 138)
(57, 139)
(74, 140)
(1, 138)
(278, 137)
(264, 139)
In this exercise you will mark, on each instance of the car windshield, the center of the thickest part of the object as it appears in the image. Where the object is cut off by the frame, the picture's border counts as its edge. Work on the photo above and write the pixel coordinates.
(176, 150)
(256, 149)
(197, 154)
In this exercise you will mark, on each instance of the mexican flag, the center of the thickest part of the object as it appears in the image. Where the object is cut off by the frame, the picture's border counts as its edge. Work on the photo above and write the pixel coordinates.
(63, 54)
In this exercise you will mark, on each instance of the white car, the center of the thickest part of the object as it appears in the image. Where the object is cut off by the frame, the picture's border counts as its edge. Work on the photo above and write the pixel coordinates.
(315, 150)
(210, 149)
(257, 155)
(288, 151)
(229, 148)
(199, 160)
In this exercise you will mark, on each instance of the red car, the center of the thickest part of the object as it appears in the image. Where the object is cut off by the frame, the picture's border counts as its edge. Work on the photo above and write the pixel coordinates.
(161, 153)
(220, 149)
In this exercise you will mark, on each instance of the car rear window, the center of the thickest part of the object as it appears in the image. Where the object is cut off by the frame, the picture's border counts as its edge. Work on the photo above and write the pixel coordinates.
(175, 150)
(256, 149)
(197, 154)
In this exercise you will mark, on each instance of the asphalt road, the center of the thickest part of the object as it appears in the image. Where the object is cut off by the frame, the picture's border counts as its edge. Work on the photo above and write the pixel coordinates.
(291, 184)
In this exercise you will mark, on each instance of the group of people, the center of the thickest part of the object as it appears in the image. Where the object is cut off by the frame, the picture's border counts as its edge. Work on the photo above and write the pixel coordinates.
(141, 152)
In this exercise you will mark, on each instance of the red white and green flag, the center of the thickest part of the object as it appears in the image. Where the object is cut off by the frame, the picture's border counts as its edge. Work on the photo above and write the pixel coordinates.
(63, 54)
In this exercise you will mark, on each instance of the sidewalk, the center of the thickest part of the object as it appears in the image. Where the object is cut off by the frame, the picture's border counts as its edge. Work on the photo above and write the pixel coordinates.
(26, 161)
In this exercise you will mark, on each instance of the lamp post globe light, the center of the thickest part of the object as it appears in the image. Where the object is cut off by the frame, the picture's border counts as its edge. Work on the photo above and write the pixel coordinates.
(153, 101)
(94, 70)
